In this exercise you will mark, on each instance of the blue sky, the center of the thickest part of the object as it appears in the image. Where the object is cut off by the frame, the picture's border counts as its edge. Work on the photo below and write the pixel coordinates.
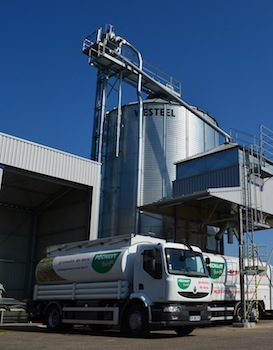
(220, 50)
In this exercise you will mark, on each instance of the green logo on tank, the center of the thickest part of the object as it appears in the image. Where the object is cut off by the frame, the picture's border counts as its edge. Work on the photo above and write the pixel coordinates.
(216, 269)
(104, 262)
(183, 283)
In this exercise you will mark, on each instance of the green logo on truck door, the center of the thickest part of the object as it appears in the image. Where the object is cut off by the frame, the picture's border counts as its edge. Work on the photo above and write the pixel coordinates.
(183, 283)
(216, 269)
(103, 262)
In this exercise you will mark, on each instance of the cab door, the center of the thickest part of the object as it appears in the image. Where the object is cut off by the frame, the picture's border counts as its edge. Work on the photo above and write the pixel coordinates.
(149, 277)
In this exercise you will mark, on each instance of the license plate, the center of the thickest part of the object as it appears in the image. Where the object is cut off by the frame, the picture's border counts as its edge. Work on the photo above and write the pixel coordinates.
(195, 318)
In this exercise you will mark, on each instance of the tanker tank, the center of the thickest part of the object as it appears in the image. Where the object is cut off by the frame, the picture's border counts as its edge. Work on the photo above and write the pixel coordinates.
(96, 266)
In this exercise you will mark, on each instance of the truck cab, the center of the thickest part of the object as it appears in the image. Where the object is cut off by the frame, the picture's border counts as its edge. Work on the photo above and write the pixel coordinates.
(173, 283)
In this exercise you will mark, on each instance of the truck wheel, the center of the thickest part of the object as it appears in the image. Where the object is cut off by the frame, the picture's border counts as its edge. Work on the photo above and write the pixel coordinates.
(254, 314)
(53, 318)
(184, 330)
(136, 321)
(237, 316)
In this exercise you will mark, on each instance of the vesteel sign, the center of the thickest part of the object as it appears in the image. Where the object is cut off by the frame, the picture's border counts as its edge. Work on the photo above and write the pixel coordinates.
(157, 112)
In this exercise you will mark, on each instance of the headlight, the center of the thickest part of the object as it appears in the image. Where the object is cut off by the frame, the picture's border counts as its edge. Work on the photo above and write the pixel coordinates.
(172, 308)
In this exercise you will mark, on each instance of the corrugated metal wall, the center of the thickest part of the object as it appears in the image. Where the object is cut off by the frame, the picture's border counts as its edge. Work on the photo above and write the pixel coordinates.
(14, 251)
(226, 177)
(39, 159)
(46, 197)
(214, 160)
(213, 170)
(25, 233)
(30, 156)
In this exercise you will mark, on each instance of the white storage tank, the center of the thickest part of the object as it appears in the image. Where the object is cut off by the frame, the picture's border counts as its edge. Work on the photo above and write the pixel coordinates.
(109, 265)
(170, 133)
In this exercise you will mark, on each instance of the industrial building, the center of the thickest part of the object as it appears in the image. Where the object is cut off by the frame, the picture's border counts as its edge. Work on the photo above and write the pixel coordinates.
(158, 165)
(46, 197)
(159, 148)
(167, 167)
(138, 143)
(228, 188)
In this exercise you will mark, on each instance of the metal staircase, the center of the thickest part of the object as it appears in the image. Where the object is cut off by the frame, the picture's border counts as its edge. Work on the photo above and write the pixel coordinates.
(255, 168)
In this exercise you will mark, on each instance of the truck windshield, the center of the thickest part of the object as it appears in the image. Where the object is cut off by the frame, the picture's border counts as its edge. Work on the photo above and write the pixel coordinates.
(185, 262)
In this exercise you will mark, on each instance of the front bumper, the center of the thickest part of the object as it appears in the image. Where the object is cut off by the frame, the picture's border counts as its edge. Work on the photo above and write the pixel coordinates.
(171, 315)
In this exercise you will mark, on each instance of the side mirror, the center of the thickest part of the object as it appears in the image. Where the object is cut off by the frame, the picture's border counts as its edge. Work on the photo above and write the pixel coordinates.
(207, 260)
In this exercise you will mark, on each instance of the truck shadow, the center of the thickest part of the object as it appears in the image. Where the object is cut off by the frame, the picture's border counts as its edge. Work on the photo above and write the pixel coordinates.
(85, 331)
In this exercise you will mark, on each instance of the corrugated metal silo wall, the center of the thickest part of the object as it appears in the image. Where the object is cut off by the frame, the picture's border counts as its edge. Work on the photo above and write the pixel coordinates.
(118, 176)
(170, 133)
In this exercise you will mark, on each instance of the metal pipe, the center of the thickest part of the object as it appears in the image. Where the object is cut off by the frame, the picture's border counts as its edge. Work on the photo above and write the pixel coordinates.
(122, 41)
(242, 267)
(119, 115)
(102, 115)
(140, 141)
(177, 99)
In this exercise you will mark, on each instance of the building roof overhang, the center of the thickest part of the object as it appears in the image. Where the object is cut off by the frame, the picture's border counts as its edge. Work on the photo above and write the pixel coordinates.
(212, 207)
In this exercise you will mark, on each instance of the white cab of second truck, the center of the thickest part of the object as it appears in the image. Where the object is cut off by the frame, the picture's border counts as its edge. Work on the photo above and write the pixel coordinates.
(225, 274)
(135, 282)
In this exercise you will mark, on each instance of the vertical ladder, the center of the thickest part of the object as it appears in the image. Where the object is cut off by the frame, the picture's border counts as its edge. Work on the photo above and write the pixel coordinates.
(251, 215)
(247, 240)
(255, 168)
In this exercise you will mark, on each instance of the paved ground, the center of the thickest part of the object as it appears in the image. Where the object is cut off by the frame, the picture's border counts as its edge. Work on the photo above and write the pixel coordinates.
(227, 337)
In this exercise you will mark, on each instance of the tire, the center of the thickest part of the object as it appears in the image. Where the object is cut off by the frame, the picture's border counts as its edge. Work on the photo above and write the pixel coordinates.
(53, 319)
(253, 314)
(237, 316)
(184, 330)
(135, 322)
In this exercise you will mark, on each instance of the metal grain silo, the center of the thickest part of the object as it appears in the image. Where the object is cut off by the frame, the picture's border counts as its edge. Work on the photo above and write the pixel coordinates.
(171, 132)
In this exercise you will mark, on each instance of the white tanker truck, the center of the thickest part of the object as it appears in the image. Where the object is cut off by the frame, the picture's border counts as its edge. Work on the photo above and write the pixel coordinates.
(226, 302)
(135, 282)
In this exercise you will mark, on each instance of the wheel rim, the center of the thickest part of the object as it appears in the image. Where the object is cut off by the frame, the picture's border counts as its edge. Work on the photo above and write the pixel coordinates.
(135, 321)
(53, 318)
(255, 313)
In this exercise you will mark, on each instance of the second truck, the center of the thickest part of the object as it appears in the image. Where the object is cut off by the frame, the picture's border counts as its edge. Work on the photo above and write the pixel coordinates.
(226, 303)
(134, 282)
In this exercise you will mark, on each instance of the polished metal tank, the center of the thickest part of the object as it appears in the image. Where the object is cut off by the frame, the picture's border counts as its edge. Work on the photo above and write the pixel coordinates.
(171, 133)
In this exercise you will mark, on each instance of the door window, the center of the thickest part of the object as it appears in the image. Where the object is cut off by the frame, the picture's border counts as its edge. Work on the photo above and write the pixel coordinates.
(152, 262)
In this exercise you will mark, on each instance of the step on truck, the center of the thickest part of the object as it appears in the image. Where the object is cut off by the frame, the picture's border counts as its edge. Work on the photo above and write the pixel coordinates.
(134, 282)
(226, 302)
